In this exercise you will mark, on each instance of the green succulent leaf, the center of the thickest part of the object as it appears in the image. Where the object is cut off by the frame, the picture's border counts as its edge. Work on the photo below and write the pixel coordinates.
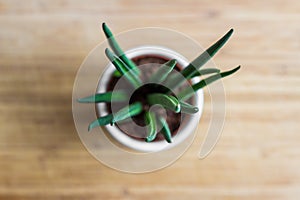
(187, 93)
(195, 65)
(112, 96)
(161, 74)
(206, 71)
(117, 49)
(126, 112)
(188, 108)
(165, 130)
(117, 73)
(151, 125)
(101, 121)
(167, 101)
(123, 69)
(200, 72)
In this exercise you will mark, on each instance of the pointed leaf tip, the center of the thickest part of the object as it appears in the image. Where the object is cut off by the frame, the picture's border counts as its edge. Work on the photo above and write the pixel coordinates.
(165, 130)
(228, 34)
(167, 101)
(152, 128)
(106, 30)
(199, 61)
(109, 54)
(107, 51)
(173, 62)
(162, 73)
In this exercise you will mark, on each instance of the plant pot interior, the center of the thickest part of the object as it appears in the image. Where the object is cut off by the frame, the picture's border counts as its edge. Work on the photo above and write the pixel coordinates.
(148, 65)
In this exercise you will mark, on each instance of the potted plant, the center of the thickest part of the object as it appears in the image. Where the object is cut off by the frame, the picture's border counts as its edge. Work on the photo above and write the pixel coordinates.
(148, 98)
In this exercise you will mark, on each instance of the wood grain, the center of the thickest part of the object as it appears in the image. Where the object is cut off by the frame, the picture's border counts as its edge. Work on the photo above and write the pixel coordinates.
(42, 44)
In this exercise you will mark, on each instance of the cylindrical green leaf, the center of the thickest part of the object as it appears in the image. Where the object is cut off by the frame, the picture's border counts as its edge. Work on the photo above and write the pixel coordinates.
(123, 69)
(188, 108)
(167, 101)
(195, 65)
(117, 49)
(111, 96)
(101, 121)
(187, 93)
(206, 71)
(151, 125)
(165, 130)
(128, 111)
(161, 74)
(117, 73)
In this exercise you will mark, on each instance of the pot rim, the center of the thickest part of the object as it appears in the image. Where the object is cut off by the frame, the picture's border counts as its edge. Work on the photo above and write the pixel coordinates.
(187, 126)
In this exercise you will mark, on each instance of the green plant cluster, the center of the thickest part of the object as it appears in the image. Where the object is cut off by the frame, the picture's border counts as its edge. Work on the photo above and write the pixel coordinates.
(127, 68)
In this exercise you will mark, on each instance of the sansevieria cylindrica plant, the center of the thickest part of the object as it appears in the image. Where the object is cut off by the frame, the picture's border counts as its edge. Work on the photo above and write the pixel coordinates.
(178, 102)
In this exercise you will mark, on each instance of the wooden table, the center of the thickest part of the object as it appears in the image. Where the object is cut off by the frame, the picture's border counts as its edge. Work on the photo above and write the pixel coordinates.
(42, 44)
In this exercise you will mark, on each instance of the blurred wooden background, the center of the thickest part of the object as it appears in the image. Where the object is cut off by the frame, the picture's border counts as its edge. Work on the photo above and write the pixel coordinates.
(42, 44)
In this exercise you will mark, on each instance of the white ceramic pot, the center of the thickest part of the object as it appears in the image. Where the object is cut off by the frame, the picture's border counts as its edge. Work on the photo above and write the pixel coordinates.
(188, 125)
